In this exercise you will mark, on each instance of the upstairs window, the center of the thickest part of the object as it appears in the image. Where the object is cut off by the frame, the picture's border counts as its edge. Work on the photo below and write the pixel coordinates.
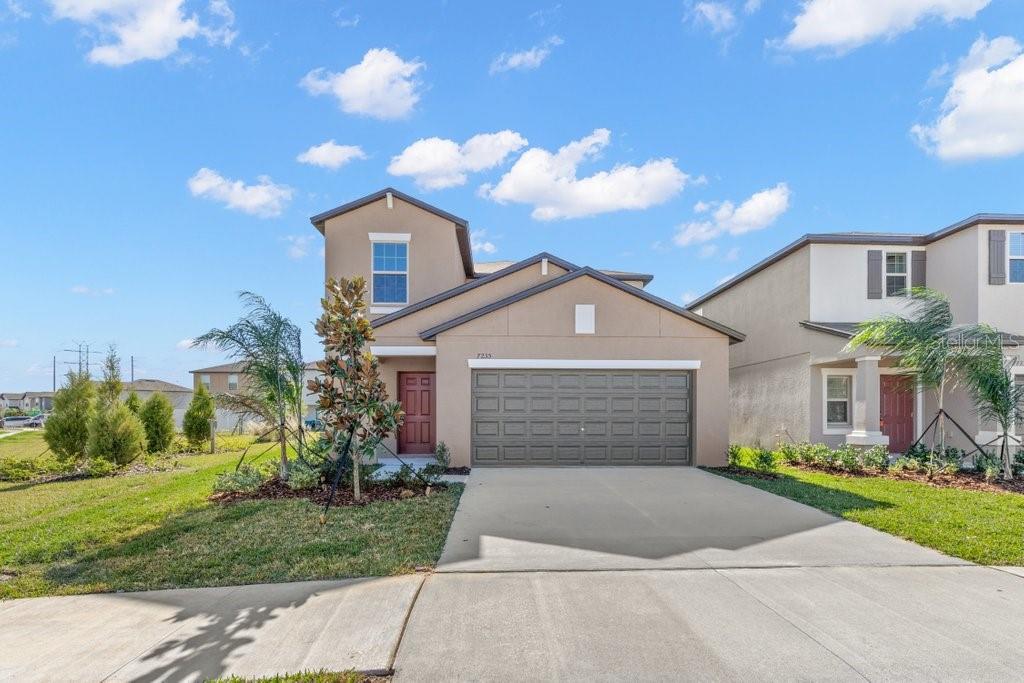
(232, 382)
(837, 400)
(390, 273)
(1016, 269)
(896, 274)
(205, 381)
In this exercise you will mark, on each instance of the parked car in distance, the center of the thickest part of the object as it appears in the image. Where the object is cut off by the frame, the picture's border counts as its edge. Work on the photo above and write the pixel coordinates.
(37, 420)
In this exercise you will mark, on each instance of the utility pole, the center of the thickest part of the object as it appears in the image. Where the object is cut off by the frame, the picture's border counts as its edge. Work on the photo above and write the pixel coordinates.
(55, 373)
(133, 370)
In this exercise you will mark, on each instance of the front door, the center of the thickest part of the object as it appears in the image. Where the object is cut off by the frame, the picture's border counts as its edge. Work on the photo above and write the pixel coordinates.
(416, 394)
(897, 411)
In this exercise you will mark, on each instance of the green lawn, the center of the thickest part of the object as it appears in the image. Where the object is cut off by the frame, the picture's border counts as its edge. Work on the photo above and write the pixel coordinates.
(22, 445)
(978, 526)
(157, 530)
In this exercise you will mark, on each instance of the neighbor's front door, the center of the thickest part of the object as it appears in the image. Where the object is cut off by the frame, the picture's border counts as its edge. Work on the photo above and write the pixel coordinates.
(416, 394)
(896, 396)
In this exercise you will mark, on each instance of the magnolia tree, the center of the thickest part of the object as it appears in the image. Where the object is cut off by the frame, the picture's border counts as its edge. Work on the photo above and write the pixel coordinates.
(353, 401)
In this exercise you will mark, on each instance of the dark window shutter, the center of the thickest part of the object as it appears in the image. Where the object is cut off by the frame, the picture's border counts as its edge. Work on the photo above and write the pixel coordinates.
(997, 257)
(918, 268)
(874, 273)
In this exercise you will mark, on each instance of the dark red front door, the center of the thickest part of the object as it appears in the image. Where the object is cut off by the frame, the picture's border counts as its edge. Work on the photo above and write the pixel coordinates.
(416, 394)
(897, 411)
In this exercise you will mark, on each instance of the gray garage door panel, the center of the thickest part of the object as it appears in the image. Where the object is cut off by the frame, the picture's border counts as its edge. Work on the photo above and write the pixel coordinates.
(581, 417)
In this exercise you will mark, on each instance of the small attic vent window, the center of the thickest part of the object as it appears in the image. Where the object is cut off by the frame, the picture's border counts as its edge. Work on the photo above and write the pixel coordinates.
(585, 315)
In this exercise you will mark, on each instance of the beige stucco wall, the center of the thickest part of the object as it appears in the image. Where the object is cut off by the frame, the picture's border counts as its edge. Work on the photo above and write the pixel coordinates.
(1001, 306)
(435, 263)
(542, 326)
(405, 330)
(219, 381)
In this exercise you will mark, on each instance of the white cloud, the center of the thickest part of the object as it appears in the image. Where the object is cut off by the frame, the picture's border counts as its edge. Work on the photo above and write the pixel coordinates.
(687, 297)
(331, 155)
(756, 213)
(751, 6)
(8, 343)
(732, 254)
(982, 113)
(725, 279)
(345, 21)
(479, 243)
(525, 60)
(436, 163)
(14, 10)
(382, 85)
(548, 181)
(186, 343)
(298, 246)
(708, 250)
(717, 15)
(843, 25)
(265, 199)
(129, 31)
(91, 291)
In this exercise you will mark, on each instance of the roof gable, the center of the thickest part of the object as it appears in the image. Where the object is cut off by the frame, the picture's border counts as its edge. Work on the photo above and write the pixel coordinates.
(461, 224)
(432, 332)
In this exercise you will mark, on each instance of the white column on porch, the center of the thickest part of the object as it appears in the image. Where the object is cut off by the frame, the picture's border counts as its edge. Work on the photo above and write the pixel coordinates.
(867, 429)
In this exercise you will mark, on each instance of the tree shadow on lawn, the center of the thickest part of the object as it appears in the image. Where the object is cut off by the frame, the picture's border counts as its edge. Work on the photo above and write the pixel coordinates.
(832, 500)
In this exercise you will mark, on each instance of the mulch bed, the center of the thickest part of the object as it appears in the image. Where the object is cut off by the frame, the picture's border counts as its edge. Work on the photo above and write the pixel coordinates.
(275, 489)
(457, 470)
(967, 481)
(744, 472)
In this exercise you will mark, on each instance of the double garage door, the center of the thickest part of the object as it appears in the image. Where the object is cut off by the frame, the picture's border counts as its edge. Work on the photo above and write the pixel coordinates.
(582, 417)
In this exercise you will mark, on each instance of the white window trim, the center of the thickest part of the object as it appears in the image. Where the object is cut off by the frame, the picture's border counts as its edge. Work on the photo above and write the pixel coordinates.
(1012, 258)
(577, 364)
(235, 375)
(204, 379)
(885, 274)
(391, 238)
(825, 374)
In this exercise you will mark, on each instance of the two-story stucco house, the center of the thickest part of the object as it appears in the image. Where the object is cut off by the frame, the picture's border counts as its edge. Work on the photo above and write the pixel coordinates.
(537, 362)
(792, 380)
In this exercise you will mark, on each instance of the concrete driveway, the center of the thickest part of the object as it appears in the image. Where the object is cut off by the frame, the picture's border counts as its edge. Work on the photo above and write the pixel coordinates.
(652, 518)
(660, 574)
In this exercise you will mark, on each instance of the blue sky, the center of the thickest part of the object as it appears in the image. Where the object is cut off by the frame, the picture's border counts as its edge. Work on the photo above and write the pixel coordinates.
(696, 138)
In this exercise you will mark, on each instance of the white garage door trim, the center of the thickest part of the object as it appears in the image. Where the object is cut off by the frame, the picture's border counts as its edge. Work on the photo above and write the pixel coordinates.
(564, 364)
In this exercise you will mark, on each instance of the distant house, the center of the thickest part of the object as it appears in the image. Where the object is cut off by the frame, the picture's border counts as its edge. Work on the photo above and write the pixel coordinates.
(29, 401)
(229, 378)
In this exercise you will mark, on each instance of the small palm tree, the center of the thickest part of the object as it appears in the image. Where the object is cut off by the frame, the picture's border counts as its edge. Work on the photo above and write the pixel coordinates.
(925, 344)
(269, 347)
(997, 396)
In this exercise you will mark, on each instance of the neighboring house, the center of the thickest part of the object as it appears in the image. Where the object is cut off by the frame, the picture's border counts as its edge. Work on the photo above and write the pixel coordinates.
(28, 401)
(178, 395)
(791, 379)
(536, 362)
(229, 378)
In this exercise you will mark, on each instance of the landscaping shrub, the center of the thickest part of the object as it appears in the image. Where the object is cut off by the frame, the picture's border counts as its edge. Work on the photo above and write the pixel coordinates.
(763, 460)
(442, 461)
(735, 455)
(67, 430)
(134, 403)
(100, 467)
(245, 480)
(875, 458)
(158, 421)
(116, 435)
(196, 424)
(788, 453)
(303, 476)
(847, 457)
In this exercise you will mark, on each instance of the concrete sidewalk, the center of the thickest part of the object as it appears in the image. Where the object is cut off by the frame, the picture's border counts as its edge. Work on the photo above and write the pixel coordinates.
(825, 623)
(199, 633)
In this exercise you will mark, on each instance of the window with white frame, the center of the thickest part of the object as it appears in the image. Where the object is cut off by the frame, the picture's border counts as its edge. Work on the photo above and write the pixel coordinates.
(205, 381)
(390, 273)
(232, 382)
(838, 399)
(896, 273)
(1016, 251)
